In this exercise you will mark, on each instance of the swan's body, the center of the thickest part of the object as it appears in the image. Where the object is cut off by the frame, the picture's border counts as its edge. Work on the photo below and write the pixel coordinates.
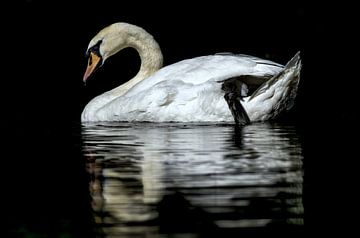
(190, 90)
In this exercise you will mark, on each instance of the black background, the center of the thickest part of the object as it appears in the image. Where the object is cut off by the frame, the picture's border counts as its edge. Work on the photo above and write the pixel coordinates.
(42, 93)
(51, 39)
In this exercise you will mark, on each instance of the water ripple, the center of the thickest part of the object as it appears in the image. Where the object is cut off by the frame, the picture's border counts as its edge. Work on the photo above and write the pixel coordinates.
(221, 177)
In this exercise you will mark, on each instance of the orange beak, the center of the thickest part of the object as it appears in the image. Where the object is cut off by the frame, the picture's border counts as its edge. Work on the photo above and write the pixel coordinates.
(93, 62)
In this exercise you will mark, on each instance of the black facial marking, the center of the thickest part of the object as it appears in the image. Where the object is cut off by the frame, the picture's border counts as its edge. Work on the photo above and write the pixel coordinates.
(90, 60)
(96, 48)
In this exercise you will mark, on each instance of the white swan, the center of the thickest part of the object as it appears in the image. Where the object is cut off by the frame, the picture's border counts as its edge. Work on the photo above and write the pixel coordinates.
(191, 90)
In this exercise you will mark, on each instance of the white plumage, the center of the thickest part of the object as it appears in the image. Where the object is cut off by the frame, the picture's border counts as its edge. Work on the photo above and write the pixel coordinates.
(190, 90)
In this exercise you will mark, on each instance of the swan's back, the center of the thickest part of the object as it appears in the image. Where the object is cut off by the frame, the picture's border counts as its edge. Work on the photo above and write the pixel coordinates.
(208, 69)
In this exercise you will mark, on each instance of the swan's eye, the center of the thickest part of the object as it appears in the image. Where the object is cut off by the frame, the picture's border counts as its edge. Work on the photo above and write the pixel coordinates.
(96, 48)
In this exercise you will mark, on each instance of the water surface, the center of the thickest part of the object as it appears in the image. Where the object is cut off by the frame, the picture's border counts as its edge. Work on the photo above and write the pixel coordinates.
(149, 179)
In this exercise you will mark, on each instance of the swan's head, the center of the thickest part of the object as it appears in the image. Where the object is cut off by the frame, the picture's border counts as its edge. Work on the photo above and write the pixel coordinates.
(106, 43)
(118, 36)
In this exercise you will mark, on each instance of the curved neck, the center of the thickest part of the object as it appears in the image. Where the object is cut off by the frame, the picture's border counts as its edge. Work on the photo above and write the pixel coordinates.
(150, 56)
(121, 36)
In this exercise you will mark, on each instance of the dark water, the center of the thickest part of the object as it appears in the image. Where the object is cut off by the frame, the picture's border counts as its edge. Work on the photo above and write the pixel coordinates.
(157, 180)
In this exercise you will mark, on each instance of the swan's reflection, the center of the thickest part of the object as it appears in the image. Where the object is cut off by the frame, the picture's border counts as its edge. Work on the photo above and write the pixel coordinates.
(220, 177)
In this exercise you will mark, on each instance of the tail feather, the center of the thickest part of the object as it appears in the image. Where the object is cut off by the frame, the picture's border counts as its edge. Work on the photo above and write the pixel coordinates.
(293, 65)
(294, 62)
